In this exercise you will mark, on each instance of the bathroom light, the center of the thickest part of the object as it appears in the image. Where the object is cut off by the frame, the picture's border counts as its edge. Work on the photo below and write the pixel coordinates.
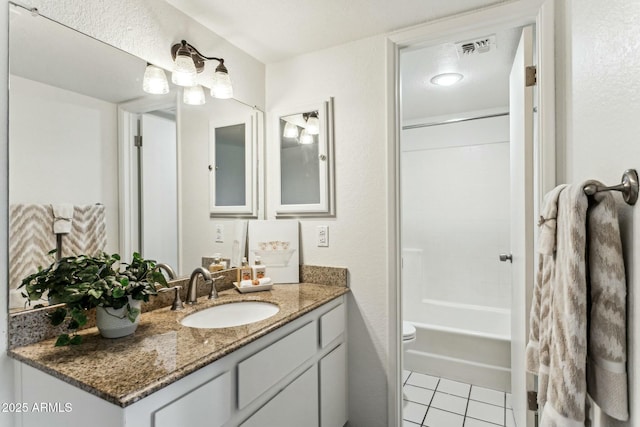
(155, 80)
(193, 95)
(290, 130)
(313, 123)
(446, 79)
(189, 62)
(305, 137)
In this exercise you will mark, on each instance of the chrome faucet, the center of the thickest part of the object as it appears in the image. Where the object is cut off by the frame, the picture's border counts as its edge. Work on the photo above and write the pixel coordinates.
(167, 268)
(192, 291)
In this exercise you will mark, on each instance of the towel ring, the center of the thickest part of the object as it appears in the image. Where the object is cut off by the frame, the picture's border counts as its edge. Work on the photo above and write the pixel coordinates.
(628, 187)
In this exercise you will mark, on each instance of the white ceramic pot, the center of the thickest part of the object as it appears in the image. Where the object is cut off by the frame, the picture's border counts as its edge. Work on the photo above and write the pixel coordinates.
(114, 323)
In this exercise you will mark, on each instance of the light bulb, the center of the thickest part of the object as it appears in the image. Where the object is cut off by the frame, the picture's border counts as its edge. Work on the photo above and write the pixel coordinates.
(155, 80)
(290, 130)
(184, 73)
(221, 85)
(306, 137)
(313, 125)
(193, 95)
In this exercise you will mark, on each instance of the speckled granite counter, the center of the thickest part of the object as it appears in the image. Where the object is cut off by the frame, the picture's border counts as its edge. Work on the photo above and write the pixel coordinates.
(162, 351)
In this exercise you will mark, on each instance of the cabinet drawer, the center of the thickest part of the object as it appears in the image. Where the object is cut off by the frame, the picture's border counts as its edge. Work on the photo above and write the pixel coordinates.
(332, 325)
(295, 406)
(207, 406)
(264, 369)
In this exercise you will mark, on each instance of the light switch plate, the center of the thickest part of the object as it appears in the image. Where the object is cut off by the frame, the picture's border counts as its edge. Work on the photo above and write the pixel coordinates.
(323, 236)
(219, 233)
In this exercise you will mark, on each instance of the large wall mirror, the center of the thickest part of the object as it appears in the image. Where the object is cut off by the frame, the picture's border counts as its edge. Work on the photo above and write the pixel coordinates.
(76, 114)
(305, 161)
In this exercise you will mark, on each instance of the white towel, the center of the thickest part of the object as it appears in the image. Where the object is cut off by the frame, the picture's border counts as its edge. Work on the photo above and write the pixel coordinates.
(62, 218)
(580, 292)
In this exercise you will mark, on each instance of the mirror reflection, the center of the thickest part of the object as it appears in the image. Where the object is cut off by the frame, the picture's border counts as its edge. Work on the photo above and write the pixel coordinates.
(93, 155)
(305, 163)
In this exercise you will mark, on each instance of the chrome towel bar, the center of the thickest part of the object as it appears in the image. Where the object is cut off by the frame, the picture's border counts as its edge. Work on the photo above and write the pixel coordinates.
(628, 187)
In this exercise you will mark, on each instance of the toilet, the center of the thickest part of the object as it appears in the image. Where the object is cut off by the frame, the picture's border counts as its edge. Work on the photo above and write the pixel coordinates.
(408, 336)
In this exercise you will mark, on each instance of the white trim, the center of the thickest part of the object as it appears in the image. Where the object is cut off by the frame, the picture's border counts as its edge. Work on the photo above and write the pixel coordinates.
(517, 13)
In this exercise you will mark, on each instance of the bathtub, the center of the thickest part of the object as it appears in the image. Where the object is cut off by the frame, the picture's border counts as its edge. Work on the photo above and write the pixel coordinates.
(461, 342)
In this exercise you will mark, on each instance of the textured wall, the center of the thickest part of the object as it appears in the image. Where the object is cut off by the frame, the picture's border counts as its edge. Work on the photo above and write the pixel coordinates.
(603, 94)
(354, 74)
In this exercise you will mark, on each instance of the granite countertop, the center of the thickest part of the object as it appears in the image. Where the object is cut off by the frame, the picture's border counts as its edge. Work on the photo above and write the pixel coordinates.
(162, 351)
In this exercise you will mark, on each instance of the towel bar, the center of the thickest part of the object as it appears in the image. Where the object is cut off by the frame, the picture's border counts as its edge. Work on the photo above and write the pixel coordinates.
(628, 187)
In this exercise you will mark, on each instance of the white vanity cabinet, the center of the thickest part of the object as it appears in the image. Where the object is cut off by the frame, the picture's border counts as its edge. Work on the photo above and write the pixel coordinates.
(294, 376)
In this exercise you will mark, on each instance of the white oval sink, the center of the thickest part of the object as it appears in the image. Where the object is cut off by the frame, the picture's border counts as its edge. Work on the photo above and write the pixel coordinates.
(232, 314)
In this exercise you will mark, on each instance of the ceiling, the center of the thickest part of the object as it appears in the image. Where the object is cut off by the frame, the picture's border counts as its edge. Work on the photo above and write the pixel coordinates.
(275, 30)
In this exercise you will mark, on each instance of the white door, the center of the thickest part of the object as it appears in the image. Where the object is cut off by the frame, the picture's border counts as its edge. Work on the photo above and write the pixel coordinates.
(159, 191)
(522, 274)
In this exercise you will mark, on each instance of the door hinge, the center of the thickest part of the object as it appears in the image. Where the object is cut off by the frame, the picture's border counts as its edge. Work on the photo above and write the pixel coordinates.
(137, 141)
(532, 400)
(531, 75)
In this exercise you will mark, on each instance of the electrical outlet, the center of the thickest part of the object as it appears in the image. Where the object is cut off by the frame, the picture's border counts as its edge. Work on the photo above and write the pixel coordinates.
(219, 233)
(323, 236)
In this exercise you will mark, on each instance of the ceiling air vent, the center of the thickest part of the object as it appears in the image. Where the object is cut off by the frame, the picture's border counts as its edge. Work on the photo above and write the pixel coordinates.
(480, 45)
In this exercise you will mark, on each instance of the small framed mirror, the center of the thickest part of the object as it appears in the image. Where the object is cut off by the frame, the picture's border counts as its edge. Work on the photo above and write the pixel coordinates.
(305, 161)
(233, 167)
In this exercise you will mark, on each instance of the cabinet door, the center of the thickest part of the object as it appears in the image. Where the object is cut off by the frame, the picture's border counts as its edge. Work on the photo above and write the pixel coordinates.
(207, 406)
(295, 406)
(333, 388)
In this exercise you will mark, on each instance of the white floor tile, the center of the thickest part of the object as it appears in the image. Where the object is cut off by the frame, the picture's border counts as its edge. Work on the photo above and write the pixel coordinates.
(449, 403)
(472, 422)
(485, 412)
(417, 394)
(414, 412)
(405, 375)
(509, 420)
(438, 418)
(508, 401)
(487, 395)
(421, 380)
(454, 387)
(406, 423)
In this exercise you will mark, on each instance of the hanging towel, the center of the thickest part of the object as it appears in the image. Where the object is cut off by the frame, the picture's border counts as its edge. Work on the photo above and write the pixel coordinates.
(578, 309)
(88, 234)
(62, 217)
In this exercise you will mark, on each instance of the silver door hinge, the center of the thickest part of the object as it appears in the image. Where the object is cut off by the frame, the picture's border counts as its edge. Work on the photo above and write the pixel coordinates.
(530, 75)
(532, 400)
(137, 141)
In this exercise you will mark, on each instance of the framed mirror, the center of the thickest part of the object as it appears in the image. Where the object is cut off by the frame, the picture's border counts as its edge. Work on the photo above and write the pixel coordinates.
(233, 153)
(75, 116)
(305, 162)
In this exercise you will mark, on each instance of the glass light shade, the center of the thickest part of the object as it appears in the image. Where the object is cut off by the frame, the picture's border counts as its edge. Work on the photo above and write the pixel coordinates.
(193, 95)
(155, 80)
(306, 137)
(184, 73)
(290, 130)
(313, 126)
(221, 85)
(446, 79)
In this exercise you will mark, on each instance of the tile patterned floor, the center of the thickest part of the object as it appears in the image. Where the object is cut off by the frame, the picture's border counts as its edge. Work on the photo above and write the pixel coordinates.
(439, 402)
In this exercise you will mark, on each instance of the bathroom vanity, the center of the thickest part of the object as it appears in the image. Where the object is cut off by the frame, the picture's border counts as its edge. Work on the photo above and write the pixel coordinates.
(287, 370)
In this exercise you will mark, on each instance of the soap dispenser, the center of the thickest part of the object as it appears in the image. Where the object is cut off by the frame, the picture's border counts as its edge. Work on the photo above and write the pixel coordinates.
(258, 270)
(244, 271)
(217, 264)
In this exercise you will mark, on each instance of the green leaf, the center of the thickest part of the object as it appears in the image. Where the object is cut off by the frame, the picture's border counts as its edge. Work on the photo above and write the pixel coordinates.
(58, 316)
(132, 313)
(77, 339)
(118, 292)
(79, 316)
(95, 293)
(63, 340)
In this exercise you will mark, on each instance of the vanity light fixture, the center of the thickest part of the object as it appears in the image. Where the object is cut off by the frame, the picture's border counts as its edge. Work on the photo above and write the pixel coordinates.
(290, 130)
(313, 123)
(193, 95)
(446, 79)
(189, 62)
(306, 137)
(155, 80)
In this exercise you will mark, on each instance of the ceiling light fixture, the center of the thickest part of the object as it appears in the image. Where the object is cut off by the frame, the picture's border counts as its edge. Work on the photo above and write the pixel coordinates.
(193, 95)
(446, 79)
(155, 80)
(313, 123)
(189, 62)
(290, 130)
(305, 137)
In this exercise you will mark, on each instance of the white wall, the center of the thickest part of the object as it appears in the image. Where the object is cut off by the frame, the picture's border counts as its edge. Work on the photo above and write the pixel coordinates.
(354, 74)
(70, 139)
(602, 101)
(455, 213)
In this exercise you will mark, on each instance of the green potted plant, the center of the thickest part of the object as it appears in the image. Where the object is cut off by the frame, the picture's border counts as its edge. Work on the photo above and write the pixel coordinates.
(83, 282)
